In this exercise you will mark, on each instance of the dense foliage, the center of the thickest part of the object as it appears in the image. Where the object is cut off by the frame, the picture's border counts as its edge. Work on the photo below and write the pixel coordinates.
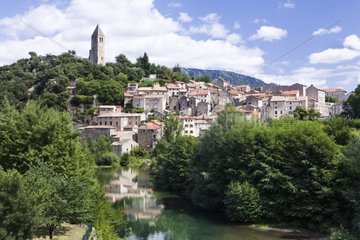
(352, 104)
(68, 82)
(288, 171)
(48, 176)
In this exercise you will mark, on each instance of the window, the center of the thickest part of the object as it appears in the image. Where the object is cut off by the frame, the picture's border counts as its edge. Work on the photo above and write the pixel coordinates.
(100, 123)
(290, 107)
(191, 131)
(105, 123)
(280, 112)
(186, 132)
(110, 122)
(191, 125)
(186, 125)
(275, 112)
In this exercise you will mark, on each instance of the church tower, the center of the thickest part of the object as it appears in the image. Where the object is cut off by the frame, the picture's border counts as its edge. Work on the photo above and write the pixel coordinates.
(97, 52)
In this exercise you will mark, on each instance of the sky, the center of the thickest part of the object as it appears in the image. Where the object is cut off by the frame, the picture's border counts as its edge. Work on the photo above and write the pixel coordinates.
(279, 41)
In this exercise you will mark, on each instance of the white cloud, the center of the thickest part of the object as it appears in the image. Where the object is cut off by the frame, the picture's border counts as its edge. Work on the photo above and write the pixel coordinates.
(16, 27)
(233, 38)
(333, 55)
(260, 21)
(353, 42)
(131, 27)
(237, 25)
(323, 31)
(184, 17)
(174, 4)
(211, 18)
(350, 51)
(288, 5)
(269, 33)
(212, 27)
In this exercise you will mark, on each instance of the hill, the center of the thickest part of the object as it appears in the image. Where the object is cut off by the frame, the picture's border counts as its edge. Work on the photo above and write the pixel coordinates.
(232, 77)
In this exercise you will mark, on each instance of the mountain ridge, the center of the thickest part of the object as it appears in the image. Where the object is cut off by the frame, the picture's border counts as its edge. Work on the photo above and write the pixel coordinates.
(232, 77)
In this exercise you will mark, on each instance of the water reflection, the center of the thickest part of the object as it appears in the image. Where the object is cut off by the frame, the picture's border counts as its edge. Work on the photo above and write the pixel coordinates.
(162, 216)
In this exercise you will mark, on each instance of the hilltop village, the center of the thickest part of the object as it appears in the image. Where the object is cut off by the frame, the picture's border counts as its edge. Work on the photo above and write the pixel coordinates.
(138, 122)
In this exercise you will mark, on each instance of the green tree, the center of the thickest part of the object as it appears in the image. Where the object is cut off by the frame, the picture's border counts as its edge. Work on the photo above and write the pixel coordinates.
(144, 64)
(39, 135)
(331, 99)
(242, 202)
(59, 198)
(351, 190)
(203, 78)
(352, 104)
(102, 151)
(172, 127)
(17, 214)
(171, 166)
(301, 113)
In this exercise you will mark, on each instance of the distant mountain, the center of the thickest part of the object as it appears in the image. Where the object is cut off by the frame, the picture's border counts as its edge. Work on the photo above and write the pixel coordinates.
(233, 78)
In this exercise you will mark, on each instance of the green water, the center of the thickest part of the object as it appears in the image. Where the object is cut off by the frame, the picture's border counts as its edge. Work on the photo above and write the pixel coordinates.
(162, 216)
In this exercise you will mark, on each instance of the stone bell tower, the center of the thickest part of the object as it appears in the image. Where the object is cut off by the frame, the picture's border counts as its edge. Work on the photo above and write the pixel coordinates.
(97, 52)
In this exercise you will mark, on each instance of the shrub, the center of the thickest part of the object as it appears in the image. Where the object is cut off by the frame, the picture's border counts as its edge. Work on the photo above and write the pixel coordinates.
(242, 202)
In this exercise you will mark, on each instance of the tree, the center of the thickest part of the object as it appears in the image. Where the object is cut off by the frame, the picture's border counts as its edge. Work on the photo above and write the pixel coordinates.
(102, 151)
(203, 78)
(17, 210)
(331, 99)
(301, 113)
(59, 198)
(172, 127)
(352, 104)
(171, 167)
(144, 64)
(39, 135)
(351, 190)
(242, 202)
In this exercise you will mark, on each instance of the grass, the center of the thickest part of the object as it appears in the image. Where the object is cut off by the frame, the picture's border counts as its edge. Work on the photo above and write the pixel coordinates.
(66, 232)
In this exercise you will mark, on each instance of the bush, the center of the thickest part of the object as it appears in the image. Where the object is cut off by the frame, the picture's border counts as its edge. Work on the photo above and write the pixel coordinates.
(242, 202)
(107, 159)
(341, 234)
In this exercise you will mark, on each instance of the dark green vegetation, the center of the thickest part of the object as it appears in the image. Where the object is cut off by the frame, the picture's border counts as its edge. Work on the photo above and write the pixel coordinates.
(352, 105)
(47, 176)
(291, 172)
(67, 82)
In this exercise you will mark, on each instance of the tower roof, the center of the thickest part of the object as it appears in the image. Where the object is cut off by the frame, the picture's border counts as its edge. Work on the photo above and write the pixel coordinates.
(98, 31)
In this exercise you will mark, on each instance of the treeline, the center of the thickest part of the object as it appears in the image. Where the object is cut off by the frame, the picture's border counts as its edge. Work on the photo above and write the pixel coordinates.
(298, 173)
(47, 176)
(48, 77)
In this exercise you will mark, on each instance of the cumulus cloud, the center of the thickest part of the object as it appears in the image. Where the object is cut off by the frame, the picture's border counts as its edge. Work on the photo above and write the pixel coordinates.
(212, 27)
(353, 42)
(350, 51)
(184, 17)
(323, 31)
(269, 33)
(287, 5)
(131, 27)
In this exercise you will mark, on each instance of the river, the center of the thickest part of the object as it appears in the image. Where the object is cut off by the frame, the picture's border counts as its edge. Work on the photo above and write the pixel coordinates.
(163, 216)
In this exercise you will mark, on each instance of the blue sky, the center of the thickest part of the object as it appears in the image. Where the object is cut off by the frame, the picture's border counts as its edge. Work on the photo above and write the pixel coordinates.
(244, 36)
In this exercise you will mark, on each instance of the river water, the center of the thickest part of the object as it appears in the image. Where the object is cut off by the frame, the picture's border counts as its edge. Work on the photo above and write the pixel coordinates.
(162, 216)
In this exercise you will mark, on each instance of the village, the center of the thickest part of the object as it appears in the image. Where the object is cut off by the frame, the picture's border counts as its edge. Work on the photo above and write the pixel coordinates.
(197, 104)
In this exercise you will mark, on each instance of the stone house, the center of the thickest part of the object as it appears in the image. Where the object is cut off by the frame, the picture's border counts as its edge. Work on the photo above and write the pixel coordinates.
(149, 133)
(318, 95)
(119, 119)
(124, 146)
